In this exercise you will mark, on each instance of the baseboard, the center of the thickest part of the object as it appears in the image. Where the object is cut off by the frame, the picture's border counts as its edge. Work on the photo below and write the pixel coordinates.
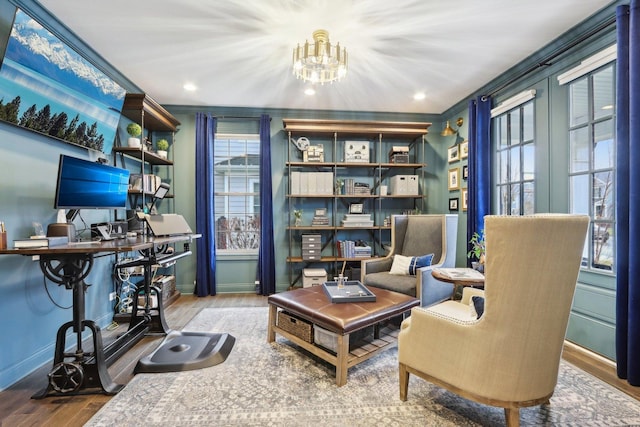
(598, 366)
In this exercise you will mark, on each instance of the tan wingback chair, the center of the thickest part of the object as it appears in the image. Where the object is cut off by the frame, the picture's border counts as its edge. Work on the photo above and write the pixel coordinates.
(416, 235)
(510, 356)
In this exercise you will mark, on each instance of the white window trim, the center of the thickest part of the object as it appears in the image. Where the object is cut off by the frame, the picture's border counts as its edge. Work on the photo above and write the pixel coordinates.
(590, 64)
(236, 254)
(513, 102)
(238, 136)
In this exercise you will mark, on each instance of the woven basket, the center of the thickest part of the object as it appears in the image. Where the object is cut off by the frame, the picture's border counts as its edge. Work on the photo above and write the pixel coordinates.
(295, 326)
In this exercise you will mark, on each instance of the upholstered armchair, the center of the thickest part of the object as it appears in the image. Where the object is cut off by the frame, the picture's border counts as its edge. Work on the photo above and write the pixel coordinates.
(509, 356)
(415, 236)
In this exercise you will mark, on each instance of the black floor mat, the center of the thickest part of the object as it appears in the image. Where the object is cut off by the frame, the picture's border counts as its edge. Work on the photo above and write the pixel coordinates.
(185, 351)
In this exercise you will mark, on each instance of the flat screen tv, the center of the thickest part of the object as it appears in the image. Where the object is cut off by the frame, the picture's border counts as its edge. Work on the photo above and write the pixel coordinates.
(83, 184)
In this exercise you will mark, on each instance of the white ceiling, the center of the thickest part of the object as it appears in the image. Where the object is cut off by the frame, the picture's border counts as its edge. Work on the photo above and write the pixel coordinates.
(238, 52)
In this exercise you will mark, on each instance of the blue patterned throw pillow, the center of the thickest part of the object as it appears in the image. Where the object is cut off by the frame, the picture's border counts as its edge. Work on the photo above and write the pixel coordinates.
(419, 262)
(477, 305)
(408, 265)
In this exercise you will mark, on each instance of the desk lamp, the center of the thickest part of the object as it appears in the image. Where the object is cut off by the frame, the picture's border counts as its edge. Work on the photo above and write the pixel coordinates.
(160, 194)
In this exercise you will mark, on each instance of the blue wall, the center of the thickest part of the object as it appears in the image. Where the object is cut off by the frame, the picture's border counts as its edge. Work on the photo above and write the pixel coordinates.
(28, 171)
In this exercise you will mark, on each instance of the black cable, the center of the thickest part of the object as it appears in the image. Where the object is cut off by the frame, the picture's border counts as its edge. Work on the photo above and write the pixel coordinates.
(46, 288)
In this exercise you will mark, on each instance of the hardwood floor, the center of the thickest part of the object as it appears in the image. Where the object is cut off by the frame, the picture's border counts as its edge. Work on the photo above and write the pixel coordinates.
(17, 409)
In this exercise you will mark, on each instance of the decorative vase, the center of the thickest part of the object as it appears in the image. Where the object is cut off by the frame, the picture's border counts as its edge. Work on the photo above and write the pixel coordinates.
(133, 142)
(162, 153)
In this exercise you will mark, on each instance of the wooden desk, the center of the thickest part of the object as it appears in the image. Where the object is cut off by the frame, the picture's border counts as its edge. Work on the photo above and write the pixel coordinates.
(459, 277)
(83, 371)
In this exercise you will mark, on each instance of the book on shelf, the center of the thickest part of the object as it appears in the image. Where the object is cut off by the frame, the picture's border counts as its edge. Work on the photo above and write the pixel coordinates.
(351, 249)
(320, 218)
(40, 242)
(357, 224)
(357, 220)
(358, 217)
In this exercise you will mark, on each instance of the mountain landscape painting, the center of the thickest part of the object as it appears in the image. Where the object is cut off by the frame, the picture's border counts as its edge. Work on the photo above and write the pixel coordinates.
(49, 88)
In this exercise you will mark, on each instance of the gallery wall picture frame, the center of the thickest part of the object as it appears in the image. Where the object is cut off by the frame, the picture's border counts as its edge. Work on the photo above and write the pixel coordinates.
(465, 195)
(454, 179)
(464, 149)
(356, 208)
(453, 204)
(453, 154)
(465, 172)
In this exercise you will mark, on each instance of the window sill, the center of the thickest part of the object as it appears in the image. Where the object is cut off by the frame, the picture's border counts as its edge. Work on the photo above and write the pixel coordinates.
(237, 256)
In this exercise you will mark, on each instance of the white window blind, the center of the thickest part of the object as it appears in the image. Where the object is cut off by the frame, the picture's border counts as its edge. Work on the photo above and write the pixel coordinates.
(590, 64)
(513, 102)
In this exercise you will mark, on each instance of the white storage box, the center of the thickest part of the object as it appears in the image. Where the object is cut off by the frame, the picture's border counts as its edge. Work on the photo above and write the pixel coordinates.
(404, 185)
(313, 277)
(329, 340)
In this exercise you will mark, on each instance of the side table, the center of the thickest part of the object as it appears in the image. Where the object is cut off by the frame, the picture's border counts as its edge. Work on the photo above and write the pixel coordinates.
(459, 277)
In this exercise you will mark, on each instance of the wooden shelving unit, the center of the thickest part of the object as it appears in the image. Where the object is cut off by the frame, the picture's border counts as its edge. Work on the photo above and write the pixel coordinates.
(155, 120)
(332, 134)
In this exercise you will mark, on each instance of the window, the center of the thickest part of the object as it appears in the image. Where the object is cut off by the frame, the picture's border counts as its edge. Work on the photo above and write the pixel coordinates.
(516, 160)
(237, 193)
(592, 160)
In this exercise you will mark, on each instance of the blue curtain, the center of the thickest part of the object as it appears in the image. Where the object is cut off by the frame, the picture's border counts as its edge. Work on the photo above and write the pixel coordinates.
(205, 217)
(628, 193)
(266, 273)
(479, 162)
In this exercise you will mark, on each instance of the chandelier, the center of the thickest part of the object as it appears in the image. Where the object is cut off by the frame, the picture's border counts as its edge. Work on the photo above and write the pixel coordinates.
(319, 62)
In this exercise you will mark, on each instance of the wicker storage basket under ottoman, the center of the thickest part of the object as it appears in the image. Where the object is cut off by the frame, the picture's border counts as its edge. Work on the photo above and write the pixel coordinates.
(295, 326)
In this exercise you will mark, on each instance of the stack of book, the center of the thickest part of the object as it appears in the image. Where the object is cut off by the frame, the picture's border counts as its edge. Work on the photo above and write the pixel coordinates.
(361, 251)
(320, 218)
(357, 220)
(40, 242)
(352, 249)
(352, 187)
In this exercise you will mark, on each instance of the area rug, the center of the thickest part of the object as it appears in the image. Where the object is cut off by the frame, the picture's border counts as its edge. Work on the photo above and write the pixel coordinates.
(263, 384)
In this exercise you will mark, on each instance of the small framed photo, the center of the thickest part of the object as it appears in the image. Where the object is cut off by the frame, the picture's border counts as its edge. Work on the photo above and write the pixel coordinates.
(464, 149)
(356, 208)
(454, 179)
(465, 172)
(453, 154)
(321, 212)
(453, 204)
(465, 194)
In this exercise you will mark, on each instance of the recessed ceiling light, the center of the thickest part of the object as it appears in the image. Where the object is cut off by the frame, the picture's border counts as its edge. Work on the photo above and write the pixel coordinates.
(309, 91)
(190, 87)
(419, 96)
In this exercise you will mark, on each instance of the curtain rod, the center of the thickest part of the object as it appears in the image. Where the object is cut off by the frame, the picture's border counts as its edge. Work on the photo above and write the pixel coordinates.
(563, 49)
(238, 118)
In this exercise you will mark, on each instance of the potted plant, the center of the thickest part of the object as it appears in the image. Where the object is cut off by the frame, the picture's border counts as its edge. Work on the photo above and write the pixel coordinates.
(477, 251)
(161, 147)
(134, 130)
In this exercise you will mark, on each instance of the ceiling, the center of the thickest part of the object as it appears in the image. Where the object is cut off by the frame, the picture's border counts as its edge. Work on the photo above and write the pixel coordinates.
(238, 52)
